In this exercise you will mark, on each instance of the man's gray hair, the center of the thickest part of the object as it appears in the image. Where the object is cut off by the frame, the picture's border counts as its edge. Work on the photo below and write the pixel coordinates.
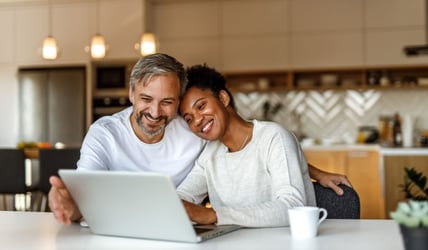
(155, 65)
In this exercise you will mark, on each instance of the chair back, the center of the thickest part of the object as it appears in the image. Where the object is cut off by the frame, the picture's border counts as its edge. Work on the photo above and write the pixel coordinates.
(12, 171)
(346, 206)
(51, 160)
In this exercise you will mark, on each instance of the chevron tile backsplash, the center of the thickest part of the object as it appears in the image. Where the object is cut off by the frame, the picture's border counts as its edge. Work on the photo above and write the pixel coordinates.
(334, 114)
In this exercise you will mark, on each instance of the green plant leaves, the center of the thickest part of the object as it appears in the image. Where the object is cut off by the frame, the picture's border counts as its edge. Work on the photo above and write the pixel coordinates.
(414, 185)
(411, 214)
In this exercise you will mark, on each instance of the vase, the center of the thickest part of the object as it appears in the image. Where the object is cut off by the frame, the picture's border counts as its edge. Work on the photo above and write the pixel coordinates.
(414, 238)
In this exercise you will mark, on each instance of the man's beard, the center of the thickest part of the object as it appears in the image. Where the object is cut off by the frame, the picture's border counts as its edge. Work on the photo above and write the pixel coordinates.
(150, 132)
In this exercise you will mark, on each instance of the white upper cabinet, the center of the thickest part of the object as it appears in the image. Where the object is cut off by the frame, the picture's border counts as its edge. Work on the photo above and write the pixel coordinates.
(182, 19)
(254, 35)
(7, 43)
(121, 24)
(254, 17)
(326, 15)
(193, 51)
(320, 50)
(188, 31)
(231, 35)
(385, 47)
(394, 13)
(73, 25)
(72, 29)
(390, 26)
(326, 33)
(257, 53)
(31, 27)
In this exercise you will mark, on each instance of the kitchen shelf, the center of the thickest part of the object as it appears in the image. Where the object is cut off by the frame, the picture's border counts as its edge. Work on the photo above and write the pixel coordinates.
(379, 77)
(259, 81)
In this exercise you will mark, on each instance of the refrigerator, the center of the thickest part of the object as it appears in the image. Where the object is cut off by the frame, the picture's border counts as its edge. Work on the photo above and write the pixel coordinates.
(52, 105)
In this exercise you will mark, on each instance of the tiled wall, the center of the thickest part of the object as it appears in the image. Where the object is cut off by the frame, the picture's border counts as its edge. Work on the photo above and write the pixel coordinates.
(333, 114)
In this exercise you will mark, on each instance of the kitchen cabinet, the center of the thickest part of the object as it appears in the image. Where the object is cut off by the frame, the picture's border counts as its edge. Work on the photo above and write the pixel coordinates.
(379, 77)
(6, 18)
(361, 166)
(394, 176)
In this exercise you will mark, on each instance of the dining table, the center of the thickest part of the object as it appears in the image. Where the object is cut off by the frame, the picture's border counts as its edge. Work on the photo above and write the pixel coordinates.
(40, 231)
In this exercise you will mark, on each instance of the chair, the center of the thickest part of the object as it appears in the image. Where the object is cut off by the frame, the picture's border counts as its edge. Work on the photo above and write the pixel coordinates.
(12, 173)
(50, 161)
(346, 206)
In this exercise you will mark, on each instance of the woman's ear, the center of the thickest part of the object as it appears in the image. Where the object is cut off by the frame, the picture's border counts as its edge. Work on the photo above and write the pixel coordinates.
(224, 98)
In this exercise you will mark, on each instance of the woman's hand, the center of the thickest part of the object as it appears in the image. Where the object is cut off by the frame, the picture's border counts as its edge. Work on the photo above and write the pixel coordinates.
(330, 180)
(200, 214)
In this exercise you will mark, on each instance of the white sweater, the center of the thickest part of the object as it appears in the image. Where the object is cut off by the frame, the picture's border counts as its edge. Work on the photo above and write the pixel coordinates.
(253, 187)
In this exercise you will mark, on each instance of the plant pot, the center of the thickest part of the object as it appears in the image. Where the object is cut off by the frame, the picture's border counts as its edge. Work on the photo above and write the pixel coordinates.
(414, 238)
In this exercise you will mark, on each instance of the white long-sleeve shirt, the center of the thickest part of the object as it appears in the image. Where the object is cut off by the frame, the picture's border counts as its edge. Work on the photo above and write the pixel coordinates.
(255, 186)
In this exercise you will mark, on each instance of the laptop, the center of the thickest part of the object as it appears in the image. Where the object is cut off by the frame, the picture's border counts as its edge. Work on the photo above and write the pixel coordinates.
(135, 204)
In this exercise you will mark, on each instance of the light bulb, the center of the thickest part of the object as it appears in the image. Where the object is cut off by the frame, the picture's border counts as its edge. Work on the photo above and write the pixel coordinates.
(148, 44)
(98, 47)
(50, 49)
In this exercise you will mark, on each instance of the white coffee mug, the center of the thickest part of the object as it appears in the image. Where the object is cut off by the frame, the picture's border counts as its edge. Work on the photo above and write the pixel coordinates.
(304, 221)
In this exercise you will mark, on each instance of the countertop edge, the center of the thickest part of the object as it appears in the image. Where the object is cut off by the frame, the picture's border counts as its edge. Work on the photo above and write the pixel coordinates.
(385, 151)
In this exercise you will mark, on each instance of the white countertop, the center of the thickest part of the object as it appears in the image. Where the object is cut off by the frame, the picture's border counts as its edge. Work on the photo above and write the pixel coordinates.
(342, 147)
(37, 231)
(385, 151)
(404, 151)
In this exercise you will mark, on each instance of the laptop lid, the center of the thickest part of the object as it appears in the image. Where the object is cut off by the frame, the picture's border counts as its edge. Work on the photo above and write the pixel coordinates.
(134, 204)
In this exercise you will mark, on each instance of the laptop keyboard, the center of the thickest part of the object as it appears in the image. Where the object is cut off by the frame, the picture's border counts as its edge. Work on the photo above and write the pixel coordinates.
(199, 230)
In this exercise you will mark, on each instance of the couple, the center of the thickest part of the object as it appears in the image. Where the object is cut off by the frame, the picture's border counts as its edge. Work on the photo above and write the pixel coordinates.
(252, 171)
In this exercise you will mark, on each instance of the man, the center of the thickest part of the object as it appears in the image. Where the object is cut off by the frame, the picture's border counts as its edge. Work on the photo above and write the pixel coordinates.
(147, 136)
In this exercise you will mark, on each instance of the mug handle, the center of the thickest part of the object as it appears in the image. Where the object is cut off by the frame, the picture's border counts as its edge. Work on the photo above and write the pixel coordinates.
(324, 215)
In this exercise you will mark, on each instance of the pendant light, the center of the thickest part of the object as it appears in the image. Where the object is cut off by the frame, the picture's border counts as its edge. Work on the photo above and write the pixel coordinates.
(147, 43)
(98, 44)
(50, 48)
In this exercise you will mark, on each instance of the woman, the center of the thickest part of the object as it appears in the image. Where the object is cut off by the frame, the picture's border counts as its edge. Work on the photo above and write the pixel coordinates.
(253, 171)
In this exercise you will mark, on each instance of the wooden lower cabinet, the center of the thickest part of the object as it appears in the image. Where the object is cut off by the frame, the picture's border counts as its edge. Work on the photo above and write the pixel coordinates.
(362, 169)
(394, 176)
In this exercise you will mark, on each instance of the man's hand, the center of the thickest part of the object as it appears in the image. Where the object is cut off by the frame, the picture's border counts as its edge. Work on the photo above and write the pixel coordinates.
(200, 214)
(329, 180)
(61, 203)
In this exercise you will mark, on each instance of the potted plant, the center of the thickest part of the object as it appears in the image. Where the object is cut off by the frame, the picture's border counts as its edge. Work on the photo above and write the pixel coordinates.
(412, 216)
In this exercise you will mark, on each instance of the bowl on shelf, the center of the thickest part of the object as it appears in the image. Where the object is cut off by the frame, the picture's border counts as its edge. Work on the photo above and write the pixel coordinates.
(306, 82)
(329, 79)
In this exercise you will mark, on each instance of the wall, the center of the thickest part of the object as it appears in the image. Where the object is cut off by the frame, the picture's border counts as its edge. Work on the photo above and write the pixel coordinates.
(270, 35)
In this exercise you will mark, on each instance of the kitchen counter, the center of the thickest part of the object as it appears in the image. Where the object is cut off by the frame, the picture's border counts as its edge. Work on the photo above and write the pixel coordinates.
(404, 151)
(342, 147)
(384, 151)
